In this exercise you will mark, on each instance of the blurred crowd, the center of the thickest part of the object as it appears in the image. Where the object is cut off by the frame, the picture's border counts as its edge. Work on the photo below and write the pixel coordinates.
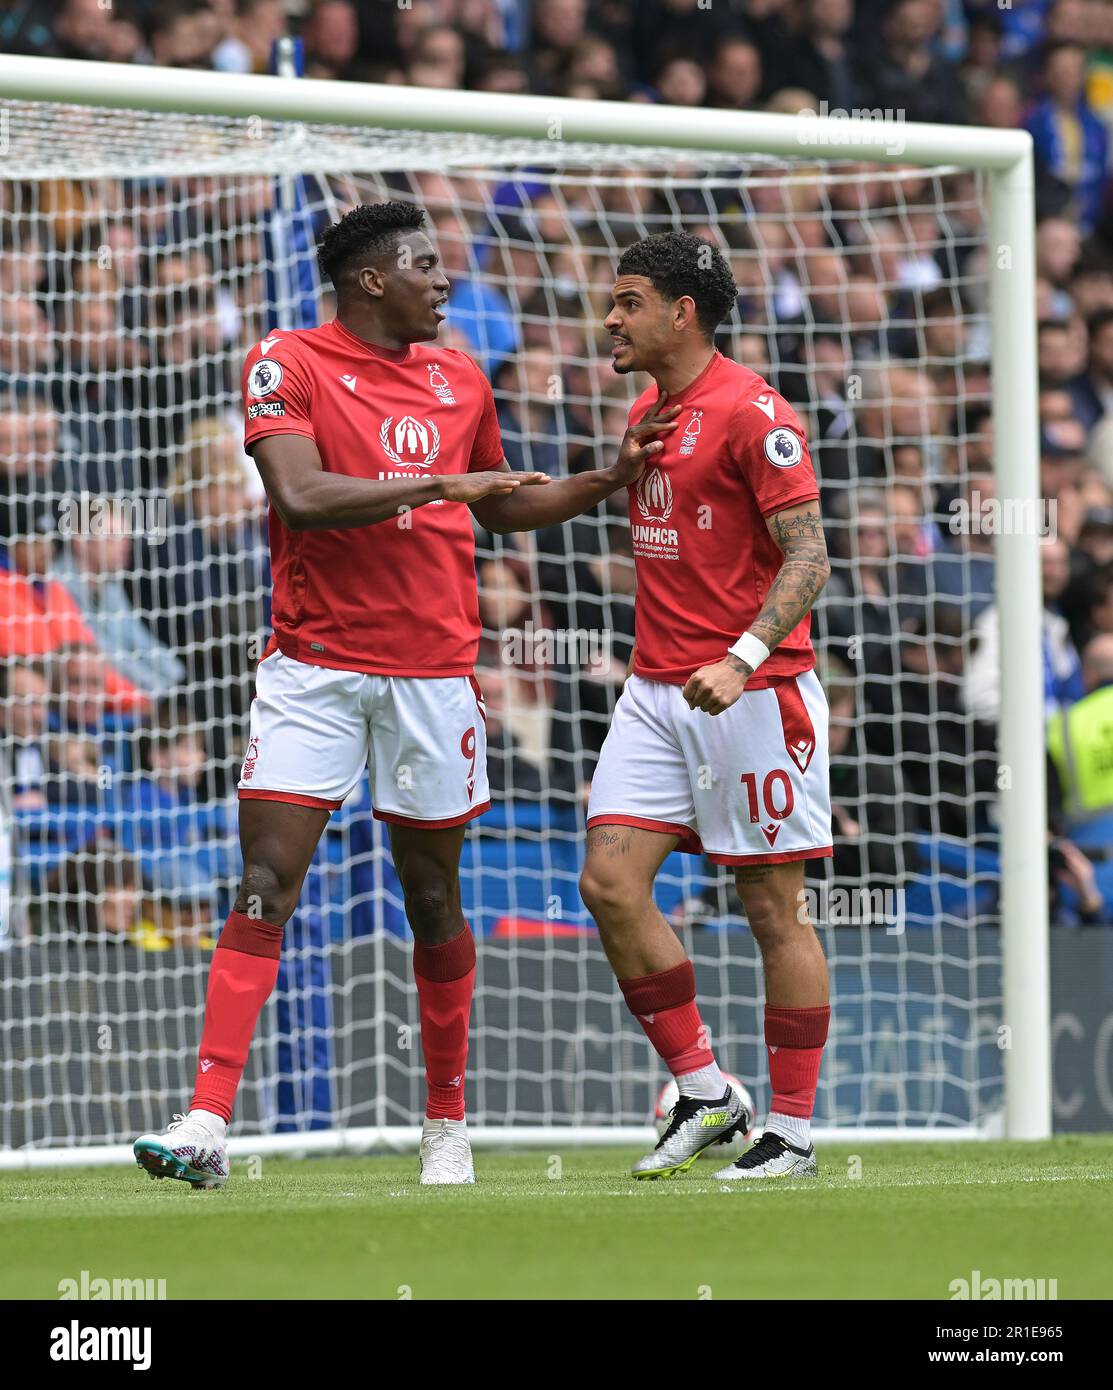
(126, 652)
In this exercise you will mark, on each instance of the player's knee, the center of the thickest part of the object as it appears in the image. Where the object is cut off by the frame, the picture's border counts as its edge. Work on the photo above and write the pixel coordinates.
(264, 896)
(772, 920)
(607, 896)
(432, 909)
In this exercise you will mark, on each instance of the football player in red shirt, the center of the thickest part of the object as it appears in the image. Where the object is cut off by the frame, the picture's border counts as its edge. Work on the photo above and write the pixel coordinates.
(376, 449)
(719, 739)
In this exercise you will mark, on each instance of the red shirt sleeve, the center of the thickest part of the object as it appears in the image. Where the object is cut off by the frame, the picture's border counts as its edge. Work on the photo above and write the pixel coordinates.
(486, 449)
(276, 391)
(772, 454)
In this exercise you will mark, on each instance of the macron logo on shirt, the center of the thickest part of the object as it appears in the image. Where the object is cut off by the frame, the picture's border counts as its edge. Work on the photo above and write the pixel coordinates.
(349, 382)
(266, 345)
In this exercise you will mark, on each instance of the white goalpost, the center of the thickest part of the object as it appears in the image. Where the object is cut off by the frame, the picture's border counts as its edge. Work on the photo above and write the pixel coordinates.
(156, 222)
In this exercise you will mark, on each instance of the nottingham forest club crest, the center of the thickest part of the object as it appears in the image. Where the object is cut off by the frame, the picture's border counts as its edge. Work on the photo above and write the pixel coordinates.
(440, 385)
(410, 443)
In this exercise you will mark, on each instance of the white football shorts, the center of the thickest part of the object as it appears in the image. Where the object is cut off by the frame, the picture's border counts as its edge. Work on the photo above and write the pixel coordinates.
(314, 730)
(748, 786)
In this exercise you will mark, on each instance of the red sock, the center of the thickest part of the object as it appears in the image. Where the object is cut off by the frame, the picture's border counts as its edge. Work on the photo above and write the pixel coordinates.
(665, 1006)
(241, 977)
(445, 976)
(794, 1040)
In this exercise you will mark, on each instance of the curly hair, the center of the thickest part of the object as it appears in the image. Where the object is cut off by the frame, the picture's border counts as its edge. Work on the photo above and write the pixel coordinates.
(677, 264)
(368, 229)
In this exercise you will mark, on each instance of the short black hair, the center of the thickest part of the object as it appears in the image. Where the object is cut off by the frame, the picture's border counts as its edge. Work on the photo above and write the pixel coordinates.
(371, 228)
(679, 263)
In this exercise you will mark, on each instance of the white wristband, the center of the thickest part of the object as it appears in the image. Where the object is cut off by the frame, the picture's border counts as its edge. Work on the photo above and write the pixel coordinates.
(750, 649)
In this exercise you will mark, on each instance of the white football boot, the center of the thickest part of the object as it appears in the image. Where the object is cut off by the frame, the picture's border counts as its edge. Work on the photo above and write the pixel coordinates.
(772, 1156)
(694, 1125)
(188, 1149)
(445, 1154)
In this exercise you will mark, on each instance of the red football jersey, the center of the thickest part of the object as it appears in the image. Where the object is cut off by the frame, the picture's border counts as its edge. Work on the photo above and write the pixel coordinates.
(704, 557)
(398, 598)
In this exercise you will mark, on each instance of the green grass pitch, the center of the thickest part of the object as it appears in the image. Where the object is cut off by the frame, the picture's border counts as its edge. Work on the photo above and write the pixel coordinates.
(881, 1221)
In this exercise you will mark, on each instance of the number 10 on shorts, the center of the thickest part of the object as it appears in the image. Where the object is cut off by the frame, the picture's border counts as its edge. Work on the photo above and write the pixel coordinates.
(776, 795)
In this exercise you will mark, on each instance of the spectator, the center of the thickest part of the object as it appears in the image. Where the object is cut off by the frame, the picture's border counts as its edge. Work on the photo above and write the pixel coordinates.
(183, 34)
(205, 583)
(1062, 666)
(91, 568)
(502, 72)
(663, 27)
(589, 591)
(592, 72)
(39, 617)
(1071, 143)
(1000, 104)
(82, 30)
(867, 805)
(559, 26)
(817, 55)
(331, 37)
(1057, 251)
(511, 670)
(1090, 557)
(981, 66)
(1061, 348)
(962, 570)
(184, 846)
(25, 696)
(531, 414)
(438, 58)
(1092, 393)
(475, 308)
(948, 761)
(97, 892)
(680, 81)
(247, 45)
(97, 396)
(26, 351)
(908, 75)
(734, 75)
(67, 869)
(859, 617)
(1081, 766)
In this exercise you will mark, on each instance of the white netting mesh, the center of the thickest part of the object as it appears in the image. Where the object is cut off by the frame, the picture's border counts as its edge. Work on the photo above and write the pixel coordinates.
(141, 256)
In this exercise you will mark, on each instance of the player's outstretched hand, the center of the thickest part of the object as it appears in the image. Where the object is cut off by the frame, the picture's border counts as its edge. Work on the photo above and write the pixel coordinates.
(640, 441)
(470, 487)
(715, 688)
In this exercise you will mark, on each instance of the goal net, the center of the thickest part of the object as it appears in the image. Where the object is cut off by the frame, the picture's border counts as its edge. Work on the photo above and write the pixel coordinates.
(142, 256)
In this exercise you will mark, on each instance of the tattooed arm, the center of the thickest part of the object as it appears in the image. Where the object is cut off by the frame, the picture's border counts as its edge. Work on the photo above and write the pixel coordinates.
(798, 532)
